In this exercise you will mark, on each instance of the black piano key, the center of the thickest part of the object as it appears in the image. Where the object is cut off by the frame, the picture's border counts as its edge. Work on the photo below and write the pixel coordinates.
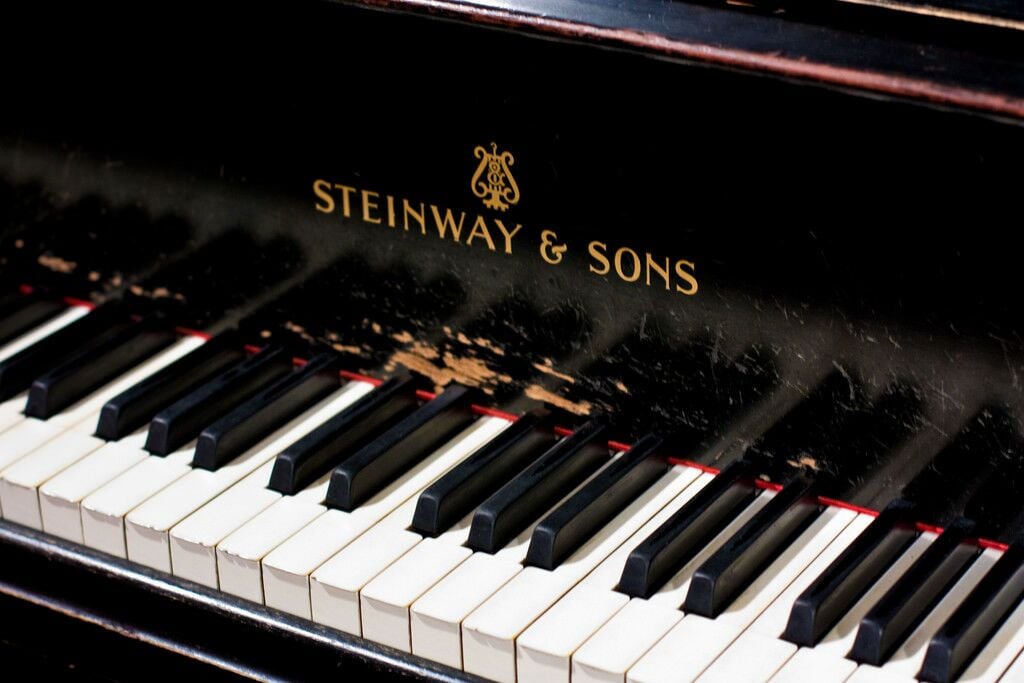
(820, 607)
(314, 454)
(552, 476)
(133, 408)
(905, 605)
(469, 483)
(681, 537)
(975, 621)
(18, 371)
(100, 361)
(371, 468)
(20, 313)
(179, 423)
(616, 486)
(729, 571)
(268, 410)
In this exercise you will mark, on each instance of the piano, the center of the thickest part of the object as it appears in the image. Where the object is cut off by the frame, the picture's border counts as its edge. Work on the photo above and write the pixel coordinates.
(513, 340)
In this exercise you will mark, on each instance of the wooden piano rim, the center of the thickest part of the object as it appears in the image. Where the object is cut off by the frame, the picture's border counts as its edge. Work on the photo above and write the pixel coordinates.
(795, 65)
(54, 574)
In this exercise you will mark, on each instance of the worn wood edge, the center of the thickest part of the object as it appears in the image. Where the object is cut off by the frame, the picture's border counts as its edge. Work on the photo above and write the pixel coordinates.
(795, 68)
(932, 10)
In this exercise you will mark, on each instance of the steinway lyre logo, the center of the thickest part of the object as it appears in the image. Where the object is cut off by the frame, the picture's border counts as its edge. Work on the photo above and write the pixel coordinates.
(493, 181)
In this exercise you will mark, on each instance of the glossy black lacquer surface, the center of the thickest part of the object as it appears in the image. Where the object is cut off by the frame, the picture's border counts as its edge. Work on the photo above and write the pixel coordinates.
(733, 207)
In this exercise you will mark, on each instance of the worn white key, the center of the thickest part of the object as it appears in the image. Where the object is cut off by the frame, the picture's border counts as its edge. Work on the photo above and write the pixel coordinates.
(873, 674)
(238, 556)
(194, 540)
(385, 600)
(753, 658)
(147, 527)
(436, 617)
(19, 498)
(10, 412)
(104, 510)
(907, 660)
(286, 569)
(682, 654)
(752, 602)
(998, 654)
(489, 633)
(61, 320)
(1015, 673)
(544, 650)
(61, 496)
(809, 665)
(335, 586)
(645, 622)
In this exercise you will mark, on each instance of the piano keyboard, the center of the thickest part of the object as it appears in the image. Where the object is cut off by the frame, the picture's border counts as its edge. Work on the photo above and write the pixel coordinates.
(504, 549)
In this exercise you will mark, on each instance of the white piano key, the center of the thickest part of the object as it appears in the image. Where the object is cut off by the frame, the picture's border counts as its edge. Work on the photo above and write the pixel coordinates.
(61, 496)
(681, 655)
(772, 621)
(810, 665)
(436, 618)
(609, 653)
(334, 587)
(544, 650)
(104, 509)
(147, 527)
(1015, 673)
(238, 555)
(61, 320)
(647, 621)
(907, 660)
(19, 498)
(873, 674)
(11, 411)
(489, 633)
(385, 600)
(194, 540)
(222, 543)
(286, 568)
(840, 639)
(999, 653)
(744, 609)
(752, 658)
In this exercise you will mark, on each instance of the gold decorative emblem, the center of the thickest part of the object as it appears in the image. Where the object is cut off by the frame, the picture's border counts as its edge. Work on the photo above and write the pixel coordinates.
(493, 181)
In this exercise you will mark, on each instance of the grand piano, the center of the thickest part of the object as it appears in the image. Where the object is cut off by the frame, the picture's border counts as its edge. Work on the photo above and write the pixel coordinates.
(513, 340)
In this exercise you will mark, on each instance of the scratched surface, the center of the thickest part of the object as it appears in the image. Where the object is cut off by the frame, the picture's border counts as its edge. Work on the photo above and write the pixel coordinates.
(835, 239)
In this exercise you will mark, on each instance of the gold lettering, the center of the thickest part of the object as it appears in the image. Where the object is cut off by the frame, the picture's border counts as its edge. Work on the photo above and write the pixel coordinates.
(656, 267)
(508, 235)
(346, 203)
(322, 189)
(368, 205)
(480, 230)
(636, 264)
(597, 251)
(448, 223)
(391, 211)
(688, 275)
(418, 216)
